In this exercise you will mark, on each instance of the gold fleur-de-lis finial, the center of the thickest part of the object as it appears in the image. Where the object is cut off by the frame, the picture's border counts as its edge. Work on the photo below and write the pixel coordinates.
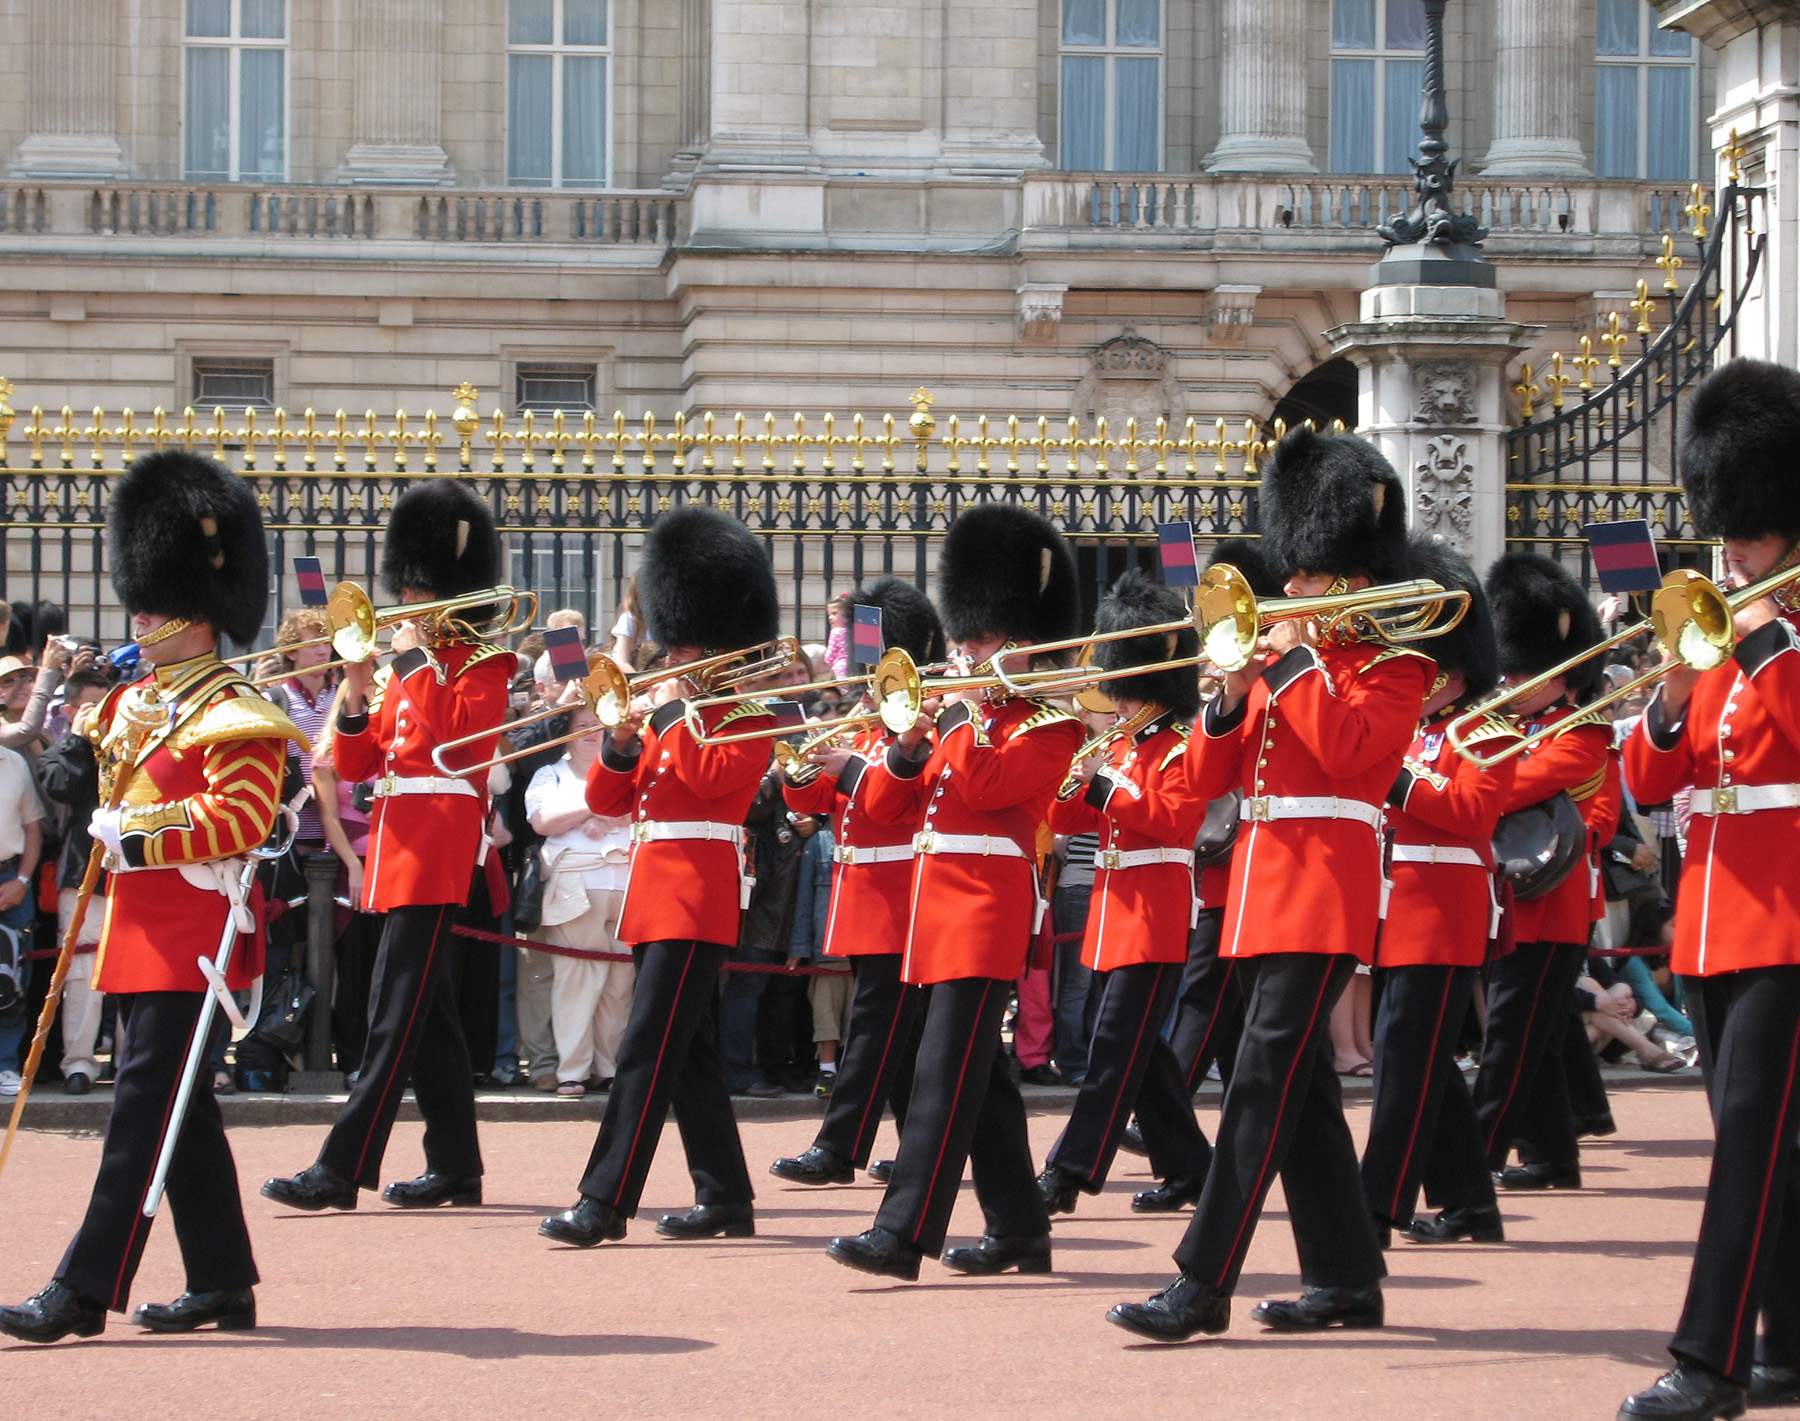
(1587, 362)
(1670, 263)
(1527, 392)
(1613, 338)
(1641, 306)
(1556, 380)
(1734, 152)
(1699, 209)
(6, 409)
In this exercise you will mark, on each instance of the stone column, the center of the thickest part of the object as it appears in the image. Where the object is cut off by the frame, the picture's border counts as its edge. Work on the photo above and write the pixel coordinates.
(71, 121)
(399, 94)
(761, 54)
(990, 79)
(1538, 58)
(1262, 89)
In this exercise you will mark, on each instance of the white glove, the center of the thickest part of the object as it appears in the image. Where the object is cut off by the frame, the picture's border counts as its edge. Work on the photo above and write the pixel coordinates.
(104, 826)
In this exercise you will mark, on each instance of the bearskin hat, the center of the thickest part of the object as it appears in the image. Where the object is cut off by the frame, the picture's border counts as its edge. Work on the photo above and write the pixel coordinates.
(1251, 559)
(1739, 442)
(908, 620)
(186, 540)
(1467, 647)
(1136, 601)
(1004, 571)
(1542, 618)
(706, 582)
(1332, 504)
(441, 540)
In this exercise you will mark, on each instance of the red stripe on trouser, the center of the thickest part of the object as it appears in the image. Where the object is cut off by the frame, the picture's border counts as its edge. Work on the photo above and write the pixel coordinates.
(1275, 1133)
(871, 1105)
(1212, 1023)
(1779, 1143)
(397, 1079)
(1512, 1088)
(1137, 1045)
(962, 1074)
(1412, 1139)
(138, 1221)
(662, 1053)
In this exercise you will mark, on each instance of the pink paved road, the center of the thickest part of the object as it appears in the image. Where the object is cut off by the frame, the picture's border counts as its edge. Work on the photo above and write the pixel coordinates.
(468, 1314)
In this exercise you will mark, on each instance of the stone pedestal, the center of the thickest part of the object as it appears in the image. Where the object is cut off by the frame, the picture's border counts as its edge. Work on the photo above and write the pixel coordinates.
(1431, 361)
(399, 111)
(71, 92)
(1262, 89)
(1537, 70)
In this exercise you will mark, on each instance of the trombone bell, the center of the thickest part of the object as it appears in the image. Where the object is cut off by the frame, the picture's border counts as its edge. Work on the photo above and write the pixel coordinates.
(1693, 620)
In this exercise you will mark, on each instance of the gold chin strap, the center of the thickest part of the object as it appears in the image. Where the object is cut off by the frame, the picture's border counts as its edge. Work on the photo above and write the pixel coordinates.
(1443, 680)
(1339, 586)
(1788, 598)
(173, 627)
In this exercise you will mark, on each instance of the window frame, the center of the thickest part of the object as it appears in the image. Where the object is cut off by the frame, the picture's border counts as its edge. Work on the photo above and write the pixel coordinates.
(1643, 62)
(559, 51)
(235, 43)
(527, 369)
(1109, 53)
(1380, 56)
(199, 362)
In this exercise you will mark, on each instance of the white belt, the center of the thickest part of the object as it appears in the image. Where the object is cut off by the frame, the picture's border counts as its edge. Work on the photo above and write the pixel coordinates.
(1136, 858)
(986, 845)
(1744, 799)
(389, 785)
(1262, 808)
(1436, 853)
(851, 855)
(645, 830)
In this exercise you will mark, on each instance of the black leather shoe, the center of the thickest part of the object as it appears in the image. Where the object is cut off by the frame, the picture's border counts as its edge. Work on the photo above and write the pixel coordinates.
(314, 1188)
(1167, 1197)
(878, 1251)
(1175, 1314)
(233, 1310)
(881, 1170)
(1595, 1126)
(52, 1315)
(1539, 1176)
(1774, 1386)
(77, 1083)
(591, 1221)
(1455, 1225)
(1687, 1393)
(1059, 1189)
(710, 1221)
(1029, 1253)
(1132, 1141)
(431, 1189)
(1319, 1308)
(817, 1165)
(1039, 1075)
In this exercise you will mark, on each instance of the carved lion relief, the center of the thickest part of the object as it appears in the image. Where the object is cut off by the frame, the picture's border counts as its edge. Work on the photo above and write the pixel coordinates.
(1445, 394)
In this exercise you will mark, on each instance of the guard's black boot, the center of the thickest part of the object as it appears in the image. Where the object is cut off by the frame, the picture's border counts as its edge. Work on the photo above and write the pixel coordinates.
(1319, 1308)
(591, 1221)
(315, 1187)
(53, 1314)
(816, 1165)
(1029, 1253)
(229, 1310)
(1175, 1314)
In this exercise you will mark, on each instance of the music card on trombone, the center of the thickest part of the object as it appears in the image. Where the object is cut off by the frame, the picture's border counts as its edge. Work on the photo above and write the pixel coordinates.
(1175, 545)
(1624, 556)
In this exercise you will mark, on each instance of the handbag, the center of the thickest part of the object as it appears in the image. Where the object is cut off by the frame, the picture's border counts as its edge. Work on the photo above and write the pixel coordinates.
(1537, 847)
(1622, 880)
(528, 897)
(282, 1025)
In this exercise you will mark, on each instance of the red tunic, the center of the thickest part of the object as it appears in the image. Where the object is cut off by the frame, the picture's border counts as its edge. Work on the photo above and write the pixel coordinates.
(1141, 800)
(993, 774)
(1442, 914)
(871, 903)
(1575, 759)
(685, 889)
(1320, 723)
(423, 847)
(205, 791)
(1739, 905)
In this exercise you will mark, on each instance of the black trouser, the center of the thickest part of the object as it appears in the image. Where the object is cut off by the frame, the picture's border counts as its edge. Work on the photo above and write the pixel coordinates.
(1283, 1113)
(1422, 1120)
(415, 1032)
(154, 1032)
(1209, 1020)
(876, 1064)
(1523, 1089)
(1128, 1061)
(669, 1058)
(1747, 1260)
(964, 1106)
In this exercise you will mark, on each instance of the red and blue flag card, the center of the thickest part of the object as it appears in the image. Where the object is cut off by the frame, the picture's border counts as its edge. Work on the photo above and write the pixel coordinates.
(1624, 556)
(568, 657)
(310, 573)
(865, 636)
(788, 713)
(1175, 542)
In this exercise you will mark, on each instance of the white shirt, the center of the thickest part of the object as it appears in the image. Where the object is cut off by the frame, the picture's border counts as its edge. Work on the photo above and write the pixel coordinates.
(556, 789)
(19, 804)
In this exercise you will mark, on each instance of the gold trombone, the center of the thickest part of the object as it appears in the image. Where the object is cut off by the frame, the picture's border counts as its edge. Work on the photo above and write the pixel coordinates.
(894, 686)
(1131, 725)
(1693, 621)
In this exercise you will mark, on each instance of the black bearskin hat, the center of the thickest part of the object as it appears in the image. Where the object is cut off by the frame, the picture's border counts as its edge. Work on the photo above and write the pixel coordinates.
(706, 582)
(1467, 647)
(1332, 504)
(1004, 571)
(186, 540)
(908, 620)
(1251, 559)
(441, 540)
(1541, 618)
(1136, 601)
(1739, 443)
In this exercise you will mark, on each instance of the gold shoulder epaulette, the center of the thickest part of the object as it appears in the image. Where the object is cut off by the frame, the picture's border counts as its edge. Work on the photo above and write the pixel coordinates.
(1045, 714)
(484, 651)
(244, 716)
(1178, 749)
(1586, 717)
(742, 709)
(1389, 653)
(1491, 727)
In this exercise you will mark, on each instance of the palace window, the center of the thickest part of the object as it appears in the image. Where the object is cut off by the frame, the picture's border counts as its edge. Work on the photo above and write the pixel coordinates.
(1112, 86)
(1645, 82)
(234, 106)
(1377, 84)
(544, 388)
(234, 384)
(558, 99)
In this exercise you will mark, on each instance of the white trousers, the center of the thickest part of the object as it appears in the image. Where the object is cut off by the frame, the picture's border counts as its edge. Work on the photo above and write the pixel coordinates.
(81, 1003)
(590, 1001)
(531, 1002)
